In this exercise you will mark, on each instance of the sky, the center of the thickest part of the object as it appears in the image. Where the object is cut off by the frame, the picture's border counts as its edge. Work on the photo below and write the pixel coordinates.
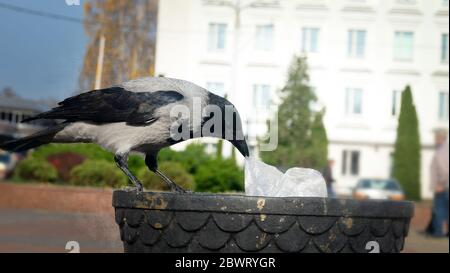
(41, 58)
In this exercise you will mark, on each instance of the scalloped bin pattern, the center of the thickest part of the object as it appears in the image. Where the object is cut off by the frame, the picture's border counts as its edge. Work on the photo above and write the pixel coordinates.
(199, 223)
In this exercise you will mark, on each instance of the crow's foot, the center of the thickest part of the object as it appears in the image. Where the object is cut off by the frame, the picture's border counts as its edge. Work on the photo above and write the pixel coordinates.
(139, 187)
(172, 185)
(175, 188)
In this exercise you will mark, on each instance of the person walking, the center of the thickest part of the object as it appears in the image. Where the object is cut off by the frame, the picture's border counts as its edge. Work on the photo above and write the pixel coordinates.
(440, 186)
(327, 173)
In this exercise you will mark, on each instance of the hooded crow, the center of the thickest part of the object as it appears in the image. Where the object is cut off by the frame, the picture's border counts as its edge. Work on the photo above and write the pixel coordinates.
(139, 116)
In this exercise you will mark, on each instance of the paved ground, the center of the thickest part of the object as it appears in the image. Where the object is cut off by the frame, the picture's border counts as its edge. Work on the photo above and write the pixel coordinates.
(42, 231)
(417, 241)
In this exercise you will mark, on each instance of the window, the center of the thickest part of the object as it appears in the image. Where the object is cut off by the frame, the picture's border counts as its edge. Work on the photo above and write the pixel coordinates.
(356, 43)
(350, 162)
(353, 101)
(396, 103)
(443, 106)
(216, 37)
(391, 165)
(217, 88)
(444, 48)
(264, 37)
(261, 96)
(344, 162)
(403, 46)
(354, 163)
(310, 40)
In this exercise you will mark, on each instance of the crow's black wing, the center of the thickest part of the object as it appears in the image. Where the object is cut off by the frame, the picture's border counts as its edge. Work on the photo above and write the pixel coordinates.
(113, 104)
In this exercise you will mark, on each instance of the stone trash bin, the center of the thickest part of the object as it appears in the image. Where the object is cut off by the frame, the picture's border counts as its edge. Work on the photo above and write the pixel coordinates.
(196, 223)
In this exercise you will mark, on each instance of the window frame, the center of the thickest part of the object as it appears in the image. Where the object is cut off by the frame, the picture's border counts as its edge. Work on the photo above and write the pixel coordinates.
(256, 101)
(350, 99)
(444, 48)
(307, 40)
(214, 43)
(396, 103)
(353, 43)
(264, 39)
(349, 167)
(443, 105)
(400, 45)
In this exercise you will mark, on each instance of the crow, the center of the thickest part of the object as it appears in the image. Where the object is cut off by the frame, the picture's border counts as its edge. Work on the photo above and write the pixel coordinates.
(139, 116)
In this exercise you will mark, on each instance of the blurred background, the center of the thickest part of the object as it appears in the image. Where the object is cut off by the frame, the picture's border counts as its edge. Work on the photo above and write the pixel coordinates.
(358, 90)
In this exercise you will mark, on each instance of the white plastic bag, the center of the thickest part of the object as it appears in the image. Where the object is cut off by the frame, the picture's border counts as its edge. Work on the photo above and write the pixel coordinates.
(265, 180)
(260, 178)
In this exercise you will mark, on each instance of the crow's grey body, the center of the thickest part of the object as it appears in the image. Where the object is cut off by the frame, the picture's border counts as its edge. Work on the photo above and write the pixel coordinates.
(132, 117)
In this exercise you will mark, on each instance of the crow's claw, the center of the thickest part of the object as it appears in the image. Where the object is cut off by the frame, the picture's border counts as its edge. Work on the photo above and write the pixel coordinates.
(139, 187)
(174, 187)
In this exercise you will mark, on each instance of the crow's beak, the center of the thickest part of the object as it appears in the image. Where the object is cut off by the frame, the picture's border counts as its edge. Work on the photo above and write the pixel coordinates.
(242, 147)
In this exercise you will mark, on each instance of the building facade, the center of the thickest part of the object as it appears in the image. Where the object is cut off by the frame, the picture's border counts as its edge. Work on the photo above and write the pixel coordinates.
(361, 54)
(14, 109)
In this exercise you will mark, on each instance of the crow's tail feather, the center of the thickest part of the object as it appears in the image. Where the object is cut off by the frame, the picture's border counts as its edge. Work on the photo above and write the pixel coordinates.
(33, 141)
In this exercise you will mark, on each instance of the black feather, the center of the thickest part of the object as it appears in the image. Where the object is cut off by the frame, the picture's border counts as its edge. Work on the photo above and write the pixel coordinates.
(33, 141)
(109, 105)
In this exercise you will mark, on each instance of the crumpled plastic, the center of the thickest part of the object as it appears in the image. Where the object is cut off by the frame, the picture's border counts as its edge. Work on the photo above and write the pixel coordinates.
(265, 180)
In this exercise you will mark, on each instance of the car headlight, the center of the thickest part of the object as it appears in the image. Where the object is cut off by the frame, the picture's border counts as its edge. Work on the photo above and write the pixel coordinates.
(397, 197)
(359, 195)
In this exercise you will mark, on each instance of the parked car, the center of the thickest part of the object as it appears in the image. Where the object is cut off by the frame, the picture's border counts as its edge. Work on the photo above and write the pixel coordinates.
(5, 162)
(370, 188)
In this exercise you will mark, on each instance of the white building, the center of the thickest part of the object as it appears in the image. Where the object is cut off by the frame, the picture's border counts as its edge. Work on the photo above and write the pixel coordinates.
(361, 53)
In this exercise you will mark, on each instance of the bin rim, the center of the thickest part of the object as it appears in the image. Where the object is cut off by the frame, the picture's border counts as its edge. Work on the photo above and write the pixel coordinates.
(238, 203)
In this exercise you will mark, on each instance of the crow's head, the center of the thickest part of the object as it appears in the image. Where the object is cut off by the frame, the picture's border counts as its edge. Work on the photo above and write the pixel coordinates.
(221, 119)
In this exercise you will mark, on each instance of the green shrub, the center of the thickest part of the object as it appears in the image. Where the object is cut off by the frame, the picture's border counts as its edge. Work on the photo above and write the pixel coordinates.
(97, 173)
(167, 154)
(136, 163)
(35, 170)
(210, 174)
(64, 163)
(219, 175)
(99, 169)
(173, 170)
(190, 158)
(194, 156)
(89, 151)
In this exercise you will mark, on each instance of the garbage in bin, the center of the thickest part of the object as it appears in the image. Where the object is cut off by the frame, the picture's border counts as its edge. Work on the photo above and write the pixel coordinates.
(265, 180)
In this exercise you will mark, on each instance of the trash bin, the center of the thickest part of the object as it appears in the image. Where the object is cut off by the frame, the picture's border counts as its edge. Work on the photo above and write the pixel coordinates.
(197, 223)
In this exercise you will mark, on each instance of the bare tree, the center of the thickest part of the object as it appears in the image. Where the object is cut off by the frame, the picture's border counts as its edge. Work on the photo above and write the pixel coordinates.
(129, 30)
